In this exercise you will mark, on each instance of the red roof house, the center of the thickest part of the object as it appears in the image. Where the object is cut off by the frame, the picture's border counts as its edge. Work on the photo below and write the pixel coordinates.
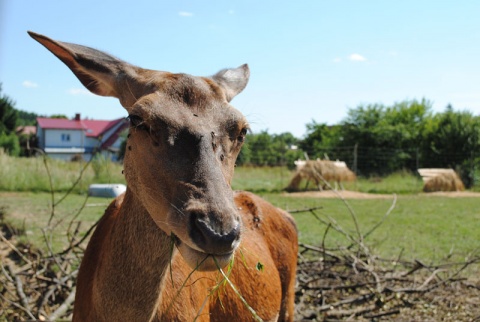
(64, 138)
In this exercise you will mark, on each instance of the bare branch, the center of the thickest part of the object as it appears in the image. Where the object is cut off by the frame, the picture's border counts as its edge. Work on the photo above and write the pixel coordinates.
(60, 311)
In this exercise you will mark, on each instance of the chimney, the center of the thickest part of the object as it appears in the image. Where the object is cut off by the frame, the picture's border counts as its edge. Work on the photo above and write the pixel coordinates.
(77, 117)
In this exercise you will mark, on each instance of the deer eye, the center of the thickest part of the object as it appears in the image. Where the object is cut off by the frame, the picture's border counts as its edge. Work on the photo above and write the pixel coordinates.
(241, 136)
(137, 122)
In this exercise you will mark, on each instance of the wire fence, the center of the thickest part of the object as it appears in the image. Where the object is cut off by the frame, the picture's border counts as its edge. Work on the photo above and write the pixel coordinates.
(373, 161)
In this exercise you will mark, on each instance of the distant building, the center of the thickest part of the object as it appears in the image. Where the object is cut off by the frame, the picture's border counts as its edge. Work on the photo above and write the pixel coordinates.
(26, 130)
(65, 139)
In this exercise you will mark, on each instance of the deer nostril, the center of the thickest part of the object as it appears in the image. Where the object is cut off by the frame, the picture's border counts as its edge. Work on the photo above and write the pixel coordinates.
(213, 238)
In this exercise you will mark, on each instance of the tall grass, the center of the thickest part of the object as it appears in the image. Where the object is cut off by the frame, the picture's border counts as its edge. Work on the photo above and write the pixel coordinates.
(30, 174)
(261, 179)
(401, 182)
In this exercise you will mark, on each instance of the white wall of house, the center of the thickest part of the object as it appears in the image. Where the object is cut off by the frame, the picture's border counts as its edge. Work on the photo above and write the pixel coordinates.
(91, 142)
(64, 138)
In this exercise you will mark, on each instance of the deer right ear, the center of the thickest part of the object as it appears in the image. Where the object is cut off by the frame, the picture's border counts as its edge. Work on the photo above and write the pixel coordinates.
(99, 72)
(233, 81)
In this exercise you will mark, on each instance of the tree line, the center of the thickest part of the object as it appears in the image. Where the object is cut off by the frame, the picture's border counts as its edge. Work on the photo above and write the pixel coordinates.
(377, 139)
(12, 140)
(373, 139)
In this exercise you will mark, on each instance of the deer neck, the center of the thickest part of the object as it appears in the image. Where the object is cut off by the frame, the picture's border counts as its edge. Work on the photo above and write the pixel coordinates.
(133, 270)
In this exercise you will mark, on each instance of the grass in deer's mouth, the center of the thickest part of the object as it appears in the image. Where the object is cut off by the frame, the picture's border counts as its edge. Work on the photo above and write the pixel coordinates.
(220, 282)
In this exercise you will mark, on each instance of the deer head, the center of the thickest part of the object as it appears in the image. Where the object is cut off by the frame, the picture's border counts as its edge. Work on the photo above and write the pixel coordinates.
(183, 141)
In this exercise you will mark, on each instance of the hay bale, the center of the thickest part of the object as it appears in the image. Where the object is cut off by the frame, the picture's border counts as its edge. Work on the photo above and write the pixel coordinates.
(295, 182)
(346, 175)
(320, 172)
(444, 182)
(299, 164)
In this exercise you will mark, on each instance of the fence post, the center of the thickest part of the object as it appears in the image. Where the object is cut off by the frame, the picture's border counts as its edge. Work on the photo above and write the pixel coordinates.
(472, 167)
(417, 157)
(355, 152)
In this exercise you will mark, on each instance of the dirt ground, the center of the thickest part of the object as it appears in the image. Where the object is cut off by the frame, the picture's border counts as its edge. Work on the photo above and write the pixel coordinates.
(346, 194)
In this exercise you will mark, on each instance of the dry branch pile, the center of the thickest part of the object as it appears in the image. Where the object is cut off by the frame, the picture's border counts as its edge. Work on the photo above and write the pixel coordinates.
(350, 283)
(346, 283)
(35, 285)
(342, 286)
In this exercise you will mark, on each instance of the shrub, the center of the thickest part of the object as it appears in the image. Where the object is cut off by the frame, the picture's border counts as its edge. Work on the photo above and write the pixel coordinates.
(10, 144)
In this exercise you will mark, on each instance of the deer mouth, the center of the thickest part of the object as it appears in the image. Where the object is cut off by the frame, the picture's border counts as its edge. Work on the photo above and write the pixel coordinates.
(200, 260)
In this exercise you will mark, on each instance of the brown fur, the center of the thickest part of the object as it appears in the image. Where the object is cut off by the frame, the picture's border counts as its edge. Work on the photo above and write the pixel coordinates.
(182, 146)
(269, 241)
(267, 233)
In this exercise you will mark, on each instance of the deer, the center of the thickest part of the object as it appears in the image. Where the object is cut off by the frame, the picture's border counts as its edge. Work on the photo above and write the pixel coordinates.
(162, 249)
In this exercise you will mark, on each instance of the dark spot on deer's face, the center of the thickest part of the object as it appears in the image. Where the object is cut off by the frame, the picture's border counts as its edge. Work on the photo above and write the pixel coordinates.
(214, 144)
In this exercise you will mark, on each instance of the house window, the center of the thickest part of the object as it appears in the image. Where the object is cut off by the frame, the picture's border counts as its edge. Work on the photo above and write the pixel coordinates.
(65, 137)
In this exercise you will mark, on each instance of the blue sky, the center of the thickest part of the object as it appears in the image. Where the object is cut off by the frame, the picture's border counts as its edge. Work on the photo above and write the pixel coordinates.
(309, 60)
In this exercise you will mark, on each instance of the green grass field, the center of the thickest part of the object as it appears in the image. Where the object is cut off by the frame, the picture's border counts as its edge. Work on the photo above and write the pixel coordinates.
(30, 212)
(420, 226)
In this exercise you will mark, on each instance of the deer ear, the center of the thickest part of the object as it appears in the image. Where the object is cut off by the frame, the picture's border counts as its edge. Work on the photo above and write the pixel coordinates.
(96, 70)
(233, 81)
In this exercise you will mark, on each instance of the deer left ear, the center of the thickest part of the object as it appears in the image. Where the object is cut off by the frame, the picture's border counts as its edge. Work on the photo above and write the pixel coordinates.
(99, 72)
(233, 80)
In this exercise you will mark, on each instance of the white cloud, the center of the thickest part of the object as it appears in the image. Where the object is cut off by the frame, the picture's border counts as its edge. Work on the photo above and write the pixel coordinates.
(337, 60)
(29, 84)
(231, 12)
(185, 14)
(79, 91)
(357, 57)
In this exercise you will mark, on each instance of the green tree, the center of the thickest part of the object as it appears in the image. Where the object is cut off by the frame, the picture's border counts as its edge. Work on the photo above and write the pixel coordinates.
(26, 118)
(10, 144)
(450, 140)
(264, 149)
(261, 149)
(285, 149)
(8, 122)
(58, 116)
(387, 136)
(8, 114)
(320, 139)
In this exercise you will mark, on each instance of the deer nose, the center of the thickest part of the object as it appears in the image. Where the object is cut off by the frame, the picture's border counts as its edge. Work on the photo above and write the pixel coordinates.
(214, 238)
